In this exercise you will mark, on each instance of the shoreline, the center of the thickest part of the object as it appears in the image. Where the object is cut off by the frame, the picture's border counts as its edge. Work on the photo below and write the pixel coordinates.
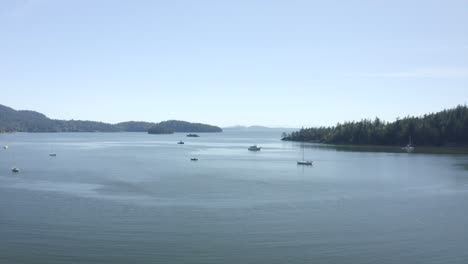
(463, 150)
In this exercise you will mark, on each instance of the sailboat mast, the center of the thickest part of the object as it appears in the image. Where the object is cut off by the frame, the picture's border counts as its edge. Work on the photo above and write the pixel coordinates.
(302, 151)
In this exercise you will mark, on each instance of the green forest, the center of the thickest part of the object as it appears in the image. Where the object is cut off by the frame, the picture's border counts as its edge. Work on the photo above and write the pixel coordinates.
(171, 126)
(445, 128)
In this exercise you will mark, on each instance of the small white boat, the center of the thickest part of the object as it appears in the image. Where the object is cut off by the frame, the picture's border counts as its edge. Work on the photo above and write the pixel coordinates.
(180, 142)
(5, 147)
(254, 148)
(409, 147)
(14, 169)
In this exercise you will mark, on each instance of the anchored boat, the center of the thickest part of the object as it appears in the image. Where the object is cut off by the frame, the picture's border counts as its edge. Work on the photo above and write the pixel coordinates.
(303, 161)
(409, 147)
(254, 148)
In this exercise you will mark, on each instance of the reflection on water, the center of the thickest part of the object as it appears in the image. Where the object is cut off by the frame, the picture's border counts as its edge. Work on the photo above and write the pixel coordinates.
(137, 198)
(388, 149)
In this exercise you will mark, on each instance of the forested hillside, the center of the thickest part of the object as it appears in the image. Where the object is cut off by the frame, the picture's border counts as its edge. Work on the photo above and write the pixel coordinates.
(12, 120)
(171, 126)
(445, 128)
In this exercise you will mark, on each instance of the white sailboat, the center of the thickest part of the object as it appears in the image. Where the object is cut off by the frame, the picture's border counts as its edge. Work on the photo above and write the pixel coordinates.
(14, 169)
(303, 161)
(409, 147)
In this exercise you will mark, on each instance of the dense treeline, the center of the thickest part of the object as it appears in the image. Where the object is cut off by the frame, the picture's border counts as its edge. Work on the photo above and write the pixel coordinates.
(157, 129)
(29, 121)
(134, 126)
(12, 120)
(171, 126)
(445, 128)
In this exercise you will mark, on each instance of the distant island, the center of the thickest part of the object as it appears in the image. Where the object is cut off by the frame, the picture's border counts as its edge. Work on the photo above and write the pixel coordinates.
(12, 120)
(257, 128)
(171, 126)
(134, 126)
(445, 128)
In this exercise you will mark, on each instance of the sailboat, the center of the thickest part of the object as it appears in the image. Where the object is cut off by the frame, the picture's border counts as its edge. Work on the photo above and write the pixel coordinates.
(303, 161)
(52, 154)
(409, 147)
(14, 169)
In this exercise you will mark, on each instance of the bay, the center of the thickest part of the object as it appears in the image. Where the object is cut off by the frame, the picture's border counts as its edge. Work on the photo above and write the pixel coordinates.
(137, 198)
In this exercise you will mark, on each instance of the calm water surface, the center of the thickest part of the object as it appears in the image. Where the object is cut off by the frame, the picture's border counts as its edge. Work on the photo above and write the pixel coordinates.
(137, 198)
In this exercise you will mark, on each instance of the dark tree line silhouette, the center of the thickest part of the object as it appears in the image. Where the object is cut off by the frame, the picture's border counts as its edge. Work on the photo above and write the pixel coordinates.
(12, 120)
(171, 126)
(445, 128)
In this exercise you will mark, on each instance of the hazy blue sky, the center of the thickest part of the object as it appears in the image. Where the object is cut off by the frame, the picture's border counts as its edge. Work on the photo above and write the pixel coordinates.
(280, 63)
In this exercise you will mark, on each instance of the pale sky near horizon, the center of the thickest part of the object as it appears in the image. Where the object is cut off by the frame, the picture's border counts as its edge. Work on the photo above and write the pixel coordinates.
(273, 63)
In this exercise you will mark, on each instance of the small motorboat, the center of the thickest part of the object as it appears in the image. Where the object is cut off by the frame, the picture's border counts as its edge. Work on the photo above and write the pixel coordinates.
(5, 147)
(15, 170)
(254, 148)
(193, 159)
(180, 142)
(193, 135)
(52, 154)
(305, 162)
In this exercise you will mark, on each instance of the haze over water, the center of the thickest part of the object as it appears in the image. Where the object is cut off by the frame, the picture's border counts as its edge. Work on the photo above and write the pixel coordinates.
(137, 198)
